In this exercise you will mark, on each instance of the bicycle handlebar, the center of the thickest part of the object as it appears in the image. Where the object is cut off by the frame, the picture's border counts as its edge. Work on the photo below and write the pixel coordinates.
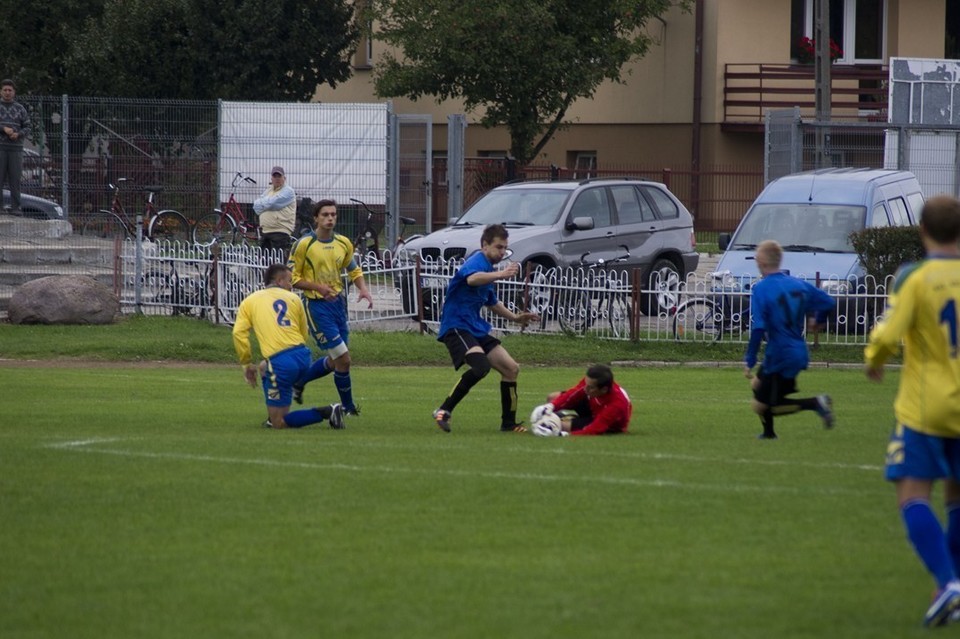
(370, 211)
(600, 262)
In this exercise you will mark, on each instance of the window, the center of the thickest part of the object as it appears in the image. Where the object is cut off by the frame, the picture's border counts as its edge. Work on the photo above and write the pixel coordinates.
(857, 26)
(628, 206)
(951, 46)
(879, 216)
(666, 207)
(593, 203)
(584, 164)
(916, 206)
(898, 212)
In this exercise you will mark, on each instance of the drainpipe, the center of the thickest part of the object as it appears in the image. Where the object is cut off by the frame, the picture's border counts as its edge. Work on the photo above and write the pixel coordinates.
(697, 107)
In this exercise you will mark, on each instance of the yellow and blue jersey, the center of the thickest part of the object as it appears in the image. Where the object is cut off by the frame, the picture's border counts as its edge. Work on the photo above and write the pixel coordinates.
(277, 318)
(922, 313)
(323, 262)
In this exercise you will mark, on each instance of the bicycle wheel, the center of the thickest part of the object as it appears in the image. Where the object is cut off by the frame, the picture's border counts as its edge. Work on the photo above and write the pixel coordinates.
(697, 319)
(620, 314)
(103, 224)
(169, 225)
(211, 228)
(573, 310)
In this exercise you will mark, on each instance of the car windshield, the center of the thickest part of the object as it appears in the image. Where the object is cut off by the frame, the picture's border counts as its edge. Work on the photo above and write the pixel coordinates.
(801, 227)
(537, 207)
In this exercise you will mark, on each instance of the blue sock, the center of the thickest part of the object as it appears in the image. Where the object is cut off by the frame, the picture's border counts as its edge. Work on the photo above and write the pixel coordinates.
(303, 417)
(342, 381)
(926, 535)
(318, 369)
(953, 534)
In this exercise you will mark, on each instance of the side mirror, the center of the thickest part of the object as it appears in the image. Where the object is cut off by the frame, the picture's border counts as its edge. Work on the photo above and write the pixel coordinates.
(723, 241)
(580, 224)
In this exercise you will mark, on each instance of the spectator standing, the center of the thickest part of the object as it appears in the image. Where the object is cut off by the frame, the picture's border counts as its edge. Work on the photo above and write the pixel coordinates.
(925, 444)
(277, 210)
(15, 125)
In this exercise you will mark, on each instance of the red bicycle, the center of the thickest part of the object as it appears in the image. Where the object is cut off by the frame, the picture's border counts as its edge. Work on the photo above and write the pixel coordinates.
(158, 225)
(229, 224)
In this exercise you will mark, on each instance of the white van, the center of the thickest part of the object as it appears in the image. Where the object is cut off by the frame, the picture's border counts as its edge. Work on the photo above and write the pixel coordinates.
(812, 215)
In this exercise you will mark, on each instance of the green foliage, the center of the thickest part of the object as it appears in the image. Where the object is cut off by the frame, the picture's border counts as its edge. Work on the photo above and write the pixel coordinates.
(521, 63)
(188, 49)
(34, 40)
(142, 501)
(883, 250)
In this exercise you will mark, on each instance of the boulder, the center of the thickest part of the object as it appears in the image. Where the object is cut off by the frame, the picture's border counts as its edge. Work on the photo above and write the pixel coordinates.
(63, 299)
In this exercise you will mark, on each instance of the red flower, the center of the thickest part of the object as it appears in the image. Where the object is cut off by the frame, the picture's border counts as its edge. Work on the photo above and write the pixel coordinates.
(807, 50)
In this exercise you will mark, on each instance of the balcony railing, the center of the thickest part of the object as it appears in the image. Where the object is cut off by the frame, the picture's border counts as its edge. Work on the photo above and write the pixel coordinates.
(750, 90)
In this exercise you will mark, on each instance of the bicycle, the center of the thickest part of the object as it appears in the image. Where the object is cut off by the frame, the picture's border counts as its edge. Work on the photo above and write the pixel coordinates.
(367, 240)
(229, 224)
(158, 225)
(712, 315)
(596, 296)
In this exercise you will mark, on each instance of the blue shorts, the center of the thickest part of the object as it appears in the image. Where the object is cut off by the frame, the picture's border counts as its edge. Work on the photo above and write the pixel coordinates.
(328, 322)
(920, 456)
(284, 369)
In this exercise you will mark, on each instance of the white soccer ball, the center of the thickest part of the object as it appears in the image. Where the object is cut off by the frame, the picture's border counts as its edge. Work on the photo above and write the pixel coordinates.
(549, 425)
(539, 412)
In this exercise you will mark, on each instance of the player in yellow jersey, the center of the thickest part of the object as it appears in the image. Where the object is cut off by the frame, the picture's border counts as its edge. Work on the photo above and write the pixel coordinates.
(925, 445)
(275, 314)
(318, 261)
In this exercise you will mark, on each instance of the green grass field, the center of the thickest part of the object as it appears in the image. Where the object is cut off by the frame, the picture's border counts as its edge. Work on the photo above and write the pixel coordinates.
(146, 501)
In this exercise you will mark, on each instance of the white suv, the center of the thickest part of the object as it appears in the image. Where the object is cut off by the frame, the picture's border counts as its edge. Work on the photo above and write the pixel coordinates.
(555, 223)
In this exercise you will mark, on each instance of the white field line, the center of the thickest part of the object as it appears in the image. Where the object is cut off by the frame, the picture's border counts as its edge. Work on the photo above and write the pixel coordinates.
(93, 446)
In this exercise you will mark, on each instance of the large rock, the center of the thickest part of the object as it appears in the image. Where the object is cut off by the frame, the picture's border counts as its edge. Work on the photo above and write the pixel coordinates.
(63, 299)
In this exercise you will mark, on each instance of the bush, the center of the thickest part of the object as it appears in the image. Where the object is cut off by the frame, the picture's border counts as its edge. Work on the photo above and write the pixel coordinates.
(884, 249)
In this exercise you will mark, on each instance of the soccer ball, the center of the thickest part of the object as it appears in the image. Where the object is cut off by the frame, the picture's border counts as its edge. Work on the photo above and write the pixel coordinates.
(549, 425)
(539, 412)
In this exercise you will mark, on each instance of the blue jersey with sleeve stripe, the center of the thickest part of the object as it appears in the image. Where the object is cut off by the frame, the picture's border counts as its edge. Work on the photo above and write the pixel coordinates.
(779, 306)
(462, 303)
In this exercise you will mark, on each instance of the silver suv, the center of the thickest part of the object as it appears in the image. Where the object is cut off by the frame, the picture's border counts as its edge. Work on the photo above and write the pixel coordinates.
(555, 223)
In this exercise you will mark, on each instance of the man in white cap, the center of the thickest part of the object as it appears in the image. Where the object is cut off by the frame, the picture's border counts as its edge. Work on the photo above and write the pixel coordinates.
(277, 210)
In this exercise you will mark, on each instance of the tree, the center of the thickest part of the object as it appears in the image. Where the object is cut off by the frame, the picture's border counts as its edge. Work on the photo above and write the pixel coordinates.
(206, 49)
(34, 41)
(523, 62)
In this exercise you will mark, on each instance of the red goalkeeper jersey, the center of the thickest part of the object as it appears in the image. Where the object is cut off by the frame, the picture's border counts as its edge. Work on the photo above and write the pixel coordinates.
(611, 412)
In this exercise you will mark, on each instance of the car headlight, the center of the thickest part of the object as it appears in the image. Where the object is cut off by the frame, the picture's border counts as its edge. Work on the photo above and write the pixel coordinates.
(59, 210)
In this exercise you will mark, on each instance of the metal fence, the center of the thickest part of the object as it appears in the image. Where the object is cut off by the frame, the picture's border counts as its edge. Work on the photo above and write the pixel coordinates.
(931, 152)
(168, 278)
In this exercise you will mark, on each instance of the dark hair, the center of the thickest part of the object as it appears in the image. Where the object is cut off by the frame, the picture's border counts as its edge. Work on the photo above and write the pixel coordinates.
(940, 219)
(601, 374)
(273, 272)
(493, 232)
(322, 203)
(7, 82)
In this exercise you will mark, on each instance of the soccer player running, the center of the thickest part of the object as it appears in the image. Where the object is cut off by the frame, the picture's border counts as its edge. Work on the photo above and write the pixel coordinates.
(276, 316)
(779, 308)
(925, 444)
(466, 333)
(318, 259)
(599, 406)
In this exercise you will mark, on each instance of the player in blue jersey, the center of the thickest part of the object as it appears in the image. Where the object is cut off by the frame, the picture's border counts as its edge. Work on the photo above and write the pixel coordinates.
(922, 312)
(780, 307)
(318, 261)
(466, 333)
(276, 316)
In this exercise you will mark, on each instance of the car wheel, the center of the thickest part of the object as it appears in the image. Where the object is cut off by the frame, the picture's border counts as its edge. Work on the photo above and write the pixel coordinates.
(662, 290)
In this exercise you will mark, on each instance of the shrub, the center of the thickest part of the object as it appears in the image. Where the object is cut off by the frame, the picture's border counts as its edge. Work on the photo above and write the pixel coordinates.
(884, 249)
